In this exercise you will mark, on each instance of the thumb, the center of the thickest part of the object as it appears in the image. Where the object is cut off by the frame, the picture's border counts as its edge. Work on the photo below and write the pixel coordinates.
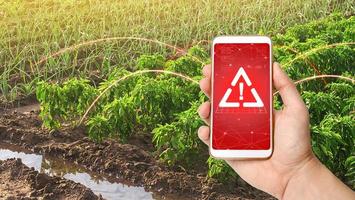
(288, 91)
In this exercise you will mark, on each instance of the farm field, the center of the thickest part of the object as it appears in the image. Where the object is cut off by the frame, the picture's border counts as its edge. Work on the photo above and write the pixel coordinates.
(103, 95)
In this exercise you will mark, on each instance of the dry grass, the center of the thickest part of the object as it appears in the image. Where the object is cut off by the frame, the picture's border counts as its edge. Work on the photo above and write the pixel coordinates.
(34, 29)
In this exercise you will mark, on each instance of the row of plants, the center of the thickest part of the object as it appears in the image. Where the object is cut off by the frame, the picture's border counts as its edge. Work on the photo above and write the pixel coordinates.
(166, 105)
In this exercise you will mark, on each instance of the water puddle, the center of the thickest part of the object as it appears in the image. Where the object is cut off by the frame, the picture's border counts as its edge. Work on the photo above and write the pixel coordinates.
(109, 189)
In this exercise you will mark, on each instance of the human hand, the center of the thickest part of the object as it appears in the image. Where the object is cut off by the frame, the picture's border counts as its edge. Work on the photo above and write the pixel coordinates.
(292, 148)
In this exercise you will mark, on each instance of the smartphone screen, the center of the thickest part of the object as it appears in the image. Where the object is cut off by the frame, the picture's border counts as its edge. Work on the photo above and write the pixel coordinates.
(241, 96)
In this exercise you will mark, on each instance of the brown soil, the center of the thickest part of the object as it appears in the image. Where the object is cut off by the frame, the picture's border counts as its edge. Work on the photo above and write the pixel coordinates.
(20, 182)
(133, 162)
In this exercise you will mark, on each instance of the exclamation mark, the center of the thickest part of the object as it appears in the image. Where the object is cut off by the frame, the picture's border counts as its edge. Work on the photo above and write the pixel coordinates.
(241, 87)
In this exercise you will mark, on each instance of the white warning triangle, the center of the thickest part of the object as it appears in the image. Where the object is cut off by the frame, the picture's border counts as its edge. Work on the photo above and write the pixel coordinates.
(258, 102)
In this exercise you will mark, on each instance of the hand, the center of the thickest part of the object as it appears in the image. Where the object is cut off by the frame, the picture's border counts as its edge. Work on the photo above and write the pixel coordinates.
(292, 154)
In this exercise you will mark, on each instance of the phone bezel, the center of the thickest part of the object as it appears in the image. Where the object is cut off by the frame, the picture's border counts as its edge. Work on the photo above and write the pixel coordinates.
(241, 154)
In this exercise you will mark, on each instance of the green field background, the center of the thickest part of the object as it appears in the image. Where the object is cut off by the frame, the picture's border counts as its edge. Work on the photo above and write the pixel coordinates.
(33, 29)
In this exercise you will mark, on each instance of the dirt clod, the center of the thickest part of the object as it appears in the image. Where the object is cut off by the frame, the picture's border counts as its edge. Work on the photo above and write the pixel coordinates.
(17, 181)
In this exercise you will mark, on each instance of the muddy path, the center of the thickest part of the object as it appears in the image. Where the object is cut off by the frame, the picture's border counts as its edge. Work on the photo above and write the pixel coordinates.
(134, 163)
(108, 187)
(20, 182)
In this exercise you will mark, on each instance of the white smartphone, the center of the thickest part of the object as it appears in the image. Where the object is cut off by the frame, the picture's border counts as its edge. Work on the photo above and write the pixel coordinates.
(241, 97)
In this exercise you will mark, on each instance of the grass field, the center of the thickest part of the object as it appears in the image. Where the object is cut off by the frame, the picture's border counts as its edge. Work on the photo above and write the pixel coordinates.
(65, 90)
(33, 29)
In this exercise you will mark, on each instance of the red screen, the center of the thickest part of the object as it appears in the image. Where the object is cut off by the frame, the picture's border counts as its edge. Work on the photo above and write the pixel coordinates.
(241, 96)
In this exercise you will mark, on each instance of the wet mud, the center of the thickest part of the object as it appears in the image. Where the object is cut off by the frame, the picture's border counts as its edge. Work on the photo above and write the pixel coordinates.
(20, 182)
(134, 163)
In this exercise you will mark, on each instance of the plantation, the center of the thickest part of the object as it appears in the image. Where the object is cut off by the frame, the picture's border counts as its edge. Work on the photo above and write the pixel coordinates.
(166, 105)
(147, 90)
